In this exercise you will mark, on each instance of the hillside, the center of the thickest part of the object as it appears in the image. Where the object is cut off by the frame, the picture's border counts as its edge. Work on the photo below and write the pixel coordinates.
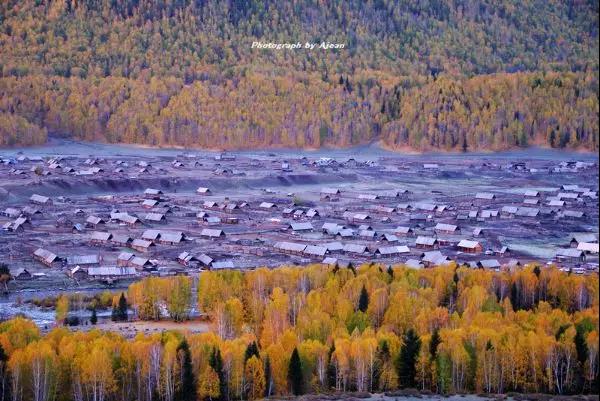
(428, 75)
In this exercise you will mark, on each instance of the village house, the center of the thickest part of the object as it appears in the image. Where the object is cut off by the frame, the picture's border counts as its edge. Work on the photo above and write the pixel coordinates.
(443, 228)
(100, 237)
(330, 194)
(141, 264)
(171, 238)
(122, 240)
(588, 247)
(578, 238)
(469, 246)
(267, 205)
(84, 260)
(315, 251)
(300, 227)
(151, 193)
(434, 258)
(187, 259)
(570, 254)
(149, 203)
(40, 200)
(22, 274)
(78, 273)
(211, 233)
(404, 231)
(356, 249)
(203, 191)
(141, 245)
(312, 213)
(389, 238)
(151, 235)
(334, 246)
(290, 248)
(46, 257)
(111, 272)
(489, 264)
(388, 251)
(423, 242)
(124, 258)
(11, 212)
(155, 218)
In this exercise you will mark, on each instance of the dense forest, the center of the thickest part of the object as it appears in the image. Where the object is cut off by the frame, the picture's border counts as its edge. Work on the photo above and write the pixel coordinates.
(295, 330)
(437, 74)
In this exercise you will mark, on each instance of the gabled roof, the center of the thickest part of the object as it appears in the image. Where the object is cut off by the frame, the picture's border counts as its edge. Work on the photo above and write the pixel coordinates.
(315, 250)
(173, 237)
(83, 260)
(355, 248)
(430, 241)
(212, 233)
(392, 250)
(45, 255)
(301, 226)
(142, 243)
(290, 246)
(100, 236)
(151, 235)
(468, 244)
(588, 247)
(485, 195)
(446, 227)
(569, 253)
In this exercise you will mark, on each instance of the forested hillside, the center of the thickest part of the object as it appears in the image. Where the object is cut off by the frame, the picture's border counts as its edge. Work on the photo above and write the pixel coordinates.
(435, 74)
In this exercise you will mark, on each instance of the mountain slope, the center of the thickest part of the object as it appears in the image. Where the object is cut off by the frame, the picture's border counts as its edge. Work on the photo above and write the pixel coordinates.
(424, 74)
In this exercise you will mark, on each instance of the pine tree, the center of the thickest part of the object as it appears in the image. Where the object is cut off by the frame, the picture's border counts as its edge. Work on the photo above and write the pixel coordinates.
(295, 375)
(216, 362)
(251, 350)
(122, 307)
(94, 317)
(363, 300)
(331, 369)
(434, 344)
(4, 376)
(407, 359)
(187, 388)
(268, 378)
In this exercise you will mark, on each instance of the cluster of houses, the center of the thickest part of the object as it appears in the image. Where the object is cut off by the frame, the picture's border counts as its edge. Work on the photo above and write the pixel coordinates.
(166, 231)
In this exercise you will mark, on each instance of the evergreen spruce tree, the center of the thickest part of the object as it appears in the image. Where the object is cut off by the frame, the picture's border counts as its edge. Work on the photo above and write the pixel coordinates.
(122, 308)
(187, 389)
(251, 350)
(94, 317)
(268, 377)
(4, 376)
(363, 300)
(331, 369)
(434, 344)
(295, 375)
(216, 362)
(407, 359)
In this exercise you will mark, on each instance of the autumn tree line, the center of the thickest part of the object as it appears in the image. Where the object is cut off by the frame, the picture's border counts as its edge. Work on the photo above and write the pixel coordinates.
(296, 330)
(492, 112)
(436, 75)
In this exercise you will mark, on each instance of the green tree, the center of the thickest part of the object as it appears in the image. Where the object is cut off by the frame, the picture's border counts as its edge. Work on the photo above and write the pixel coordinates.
(268, 377)
(434, 343)
(363, 300)
(186, 391)
(94, 317)
(407, 358)
(251, 350)
(216, 362)
(295, 374)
